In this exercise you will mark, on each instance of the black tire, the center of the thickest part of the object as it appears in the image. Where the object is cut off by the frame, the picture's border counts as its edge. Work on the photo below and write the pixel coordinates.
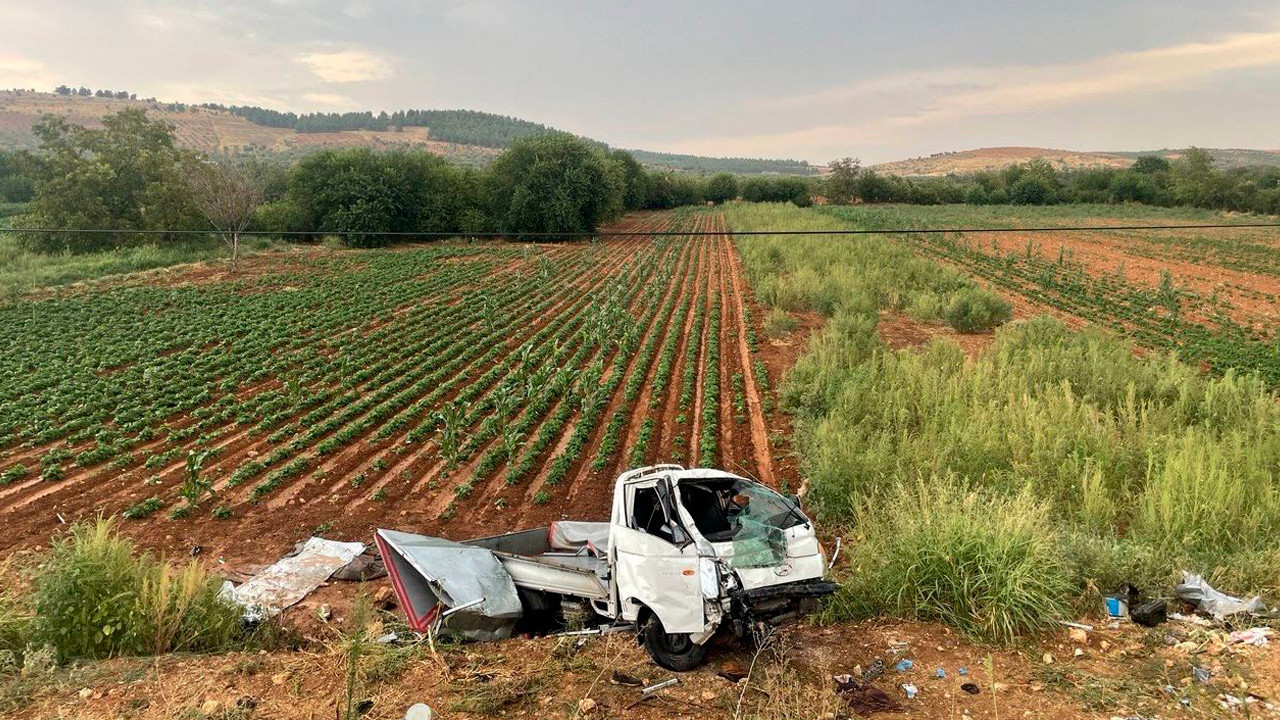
(674, 651)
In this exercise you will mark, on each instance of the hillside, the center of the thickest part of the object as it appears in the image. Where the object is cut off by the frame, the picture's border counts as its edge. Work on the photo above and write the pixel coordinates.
(212, 131)
(463, 136)
(971, 161)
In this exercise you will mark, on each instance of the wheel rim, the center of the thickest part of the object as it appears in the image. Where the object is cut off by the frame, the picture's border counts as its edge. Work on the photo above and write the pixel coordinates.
(675, 644)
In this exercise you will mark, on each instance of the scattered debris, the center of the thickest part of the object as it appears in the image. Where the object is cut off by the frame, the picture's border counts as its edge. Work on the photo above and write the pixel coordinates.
(963, 671)
(362, 568)
(1116, 607)
(1076, 625)
(586, 706)
(864, 699)
(970, 688)
(904, 665)
(732, 671)
(910, 690)
(292, 578)
(1256, 636)
(1201, 674)
(419, 711)
(874, 670)
(1150, 614)
(1194, 590)
(940, 673)
(659, 686)
(621, 678)
(1191, 619)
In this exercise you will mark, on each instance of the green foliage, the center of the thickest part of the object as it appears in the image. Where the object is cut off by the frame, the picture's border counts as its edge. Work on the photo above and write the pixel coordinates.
(777, 189)
(128, 175)
(1127, 468)
(721, 188)
(977, 309)
(553, 183)
(779, 323)
(1190, 180)
(15, 179)
(359, 190)
(96, 597)
(988, 565)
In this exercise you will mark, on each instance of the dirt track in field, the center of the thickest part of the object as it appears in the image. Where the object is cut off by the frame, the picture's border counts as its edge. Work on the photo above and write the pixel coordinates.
(389, 479)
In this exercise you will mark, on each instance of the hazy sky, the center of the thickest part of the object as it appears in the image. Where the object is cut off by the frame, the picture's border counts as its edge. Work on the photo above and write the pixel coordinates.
(812, 80)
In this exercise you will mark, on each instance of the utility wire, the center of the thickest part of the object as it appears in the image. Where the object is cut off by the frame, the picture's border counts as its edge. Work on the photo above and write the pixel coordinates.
(639, 233)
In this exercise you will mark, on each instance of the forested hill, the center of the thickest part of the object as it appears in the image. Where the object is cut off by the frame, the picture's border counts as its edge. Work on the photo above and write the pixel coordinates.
(467, 127)
(472, 127)
(744, 166)
(466, 136)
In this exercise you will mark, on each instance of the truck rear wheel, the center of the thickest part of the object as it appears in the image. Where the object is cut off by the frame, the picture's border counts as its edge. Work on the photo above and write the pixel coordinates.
(673, 651)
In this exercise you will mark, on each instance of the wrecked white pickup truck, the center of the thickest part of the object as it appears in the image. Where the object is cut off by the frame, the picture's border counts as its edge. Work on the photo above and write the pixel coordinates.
(685, 552)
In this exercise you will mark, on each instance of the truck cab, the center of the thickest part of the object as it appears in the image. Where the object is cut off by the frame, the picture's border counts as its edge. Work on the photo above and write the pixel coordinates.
(693, 548)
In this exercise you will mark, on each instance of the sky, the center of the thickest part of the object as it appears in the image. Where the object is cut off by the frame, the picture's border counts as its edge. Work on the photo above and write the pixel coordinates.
(879, 81)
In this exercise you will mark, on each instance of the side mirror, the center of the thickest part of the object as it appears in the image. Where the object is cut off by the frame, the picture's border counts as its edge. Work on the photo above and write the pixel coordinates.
(795, 499)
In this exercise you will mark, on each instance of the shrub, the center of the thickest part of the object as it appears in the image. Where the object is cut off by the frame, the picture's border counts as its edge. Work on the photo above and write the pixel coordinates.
(989, 566)
(976, 309)
(779, 323)
(926, 307)
(96, 597)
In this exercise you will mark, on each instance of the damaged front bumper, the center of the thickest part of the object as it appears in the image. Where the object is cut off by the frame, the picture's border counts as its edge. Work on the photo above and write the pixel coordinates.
(773, 605)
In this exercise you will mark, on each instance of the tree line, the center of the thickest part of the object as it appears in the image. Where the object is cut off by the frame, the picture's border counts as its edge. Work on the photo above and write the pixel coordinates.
(1189, 181)
(466, 127)
(86, 92)
(130, 179)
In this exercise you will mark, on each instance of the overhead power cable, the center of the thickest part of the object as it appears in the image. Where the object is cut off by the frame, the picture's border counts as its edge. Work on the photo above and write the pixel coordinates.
(654, 233)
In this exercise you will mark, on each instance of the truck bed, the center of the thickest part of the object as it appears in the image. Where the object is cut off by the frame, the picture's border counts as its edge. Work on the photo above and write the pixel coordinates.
(534, 564)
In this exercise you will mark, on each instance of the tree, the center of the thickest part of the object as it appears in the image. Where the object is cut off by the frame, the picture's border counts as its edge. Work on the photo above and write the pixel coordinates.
(842, 181)
(368, 195)
(1193, 181)
(721, 187)
(1151, 164)
(227, 196)
(553, 183)
(635, 181)
(126, 176)
(1032, 189)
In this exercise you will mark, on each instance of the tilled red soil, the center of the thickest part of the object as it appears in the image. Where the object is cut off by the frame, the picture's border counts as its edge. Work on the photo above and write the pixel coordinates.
(408, 485)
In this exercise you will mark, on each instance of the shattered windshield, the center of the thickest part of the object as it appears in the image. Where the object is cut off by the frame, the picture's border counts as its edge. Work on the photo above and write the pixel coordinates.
(749, 514)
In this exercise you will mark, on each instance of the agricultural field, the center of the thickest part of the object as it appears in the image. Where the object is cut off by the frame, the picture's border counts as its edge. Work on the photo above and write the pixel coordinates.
(1211, 296)
(1122, 428)
(458, 388)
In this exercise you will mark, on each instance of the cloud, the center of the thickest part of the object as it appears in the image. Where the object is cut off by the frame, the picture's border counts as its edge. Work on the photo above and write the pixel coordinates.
(346, 66)
(17, 71)
(330, 100)
(215, 93)
(893, 105)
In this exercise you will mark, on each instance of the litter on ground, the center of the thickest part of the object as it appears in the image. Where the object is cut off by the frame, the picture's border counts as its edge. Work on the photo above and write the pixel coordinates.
(293, 577)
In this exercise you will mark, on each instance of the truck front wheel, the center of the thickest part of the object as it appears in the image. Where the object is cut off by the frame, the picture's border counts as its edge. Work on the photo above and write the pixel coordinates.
(673, 651)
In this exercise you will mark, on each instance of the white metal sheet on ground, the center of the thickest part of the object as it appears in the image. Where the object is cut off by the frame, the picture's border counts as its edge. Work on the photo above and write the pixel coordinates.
(294, 577)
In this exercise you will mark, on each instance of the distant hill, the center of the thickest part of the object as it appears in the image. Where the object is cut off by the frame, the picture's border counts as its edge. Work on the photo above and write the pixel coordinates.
(744, 166)
(965, 162)
(464, 136)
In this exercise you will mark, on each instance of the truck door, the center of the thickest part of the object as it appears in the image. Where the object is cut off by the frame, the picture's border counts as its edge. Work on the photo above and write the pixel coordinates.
(655, 561)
